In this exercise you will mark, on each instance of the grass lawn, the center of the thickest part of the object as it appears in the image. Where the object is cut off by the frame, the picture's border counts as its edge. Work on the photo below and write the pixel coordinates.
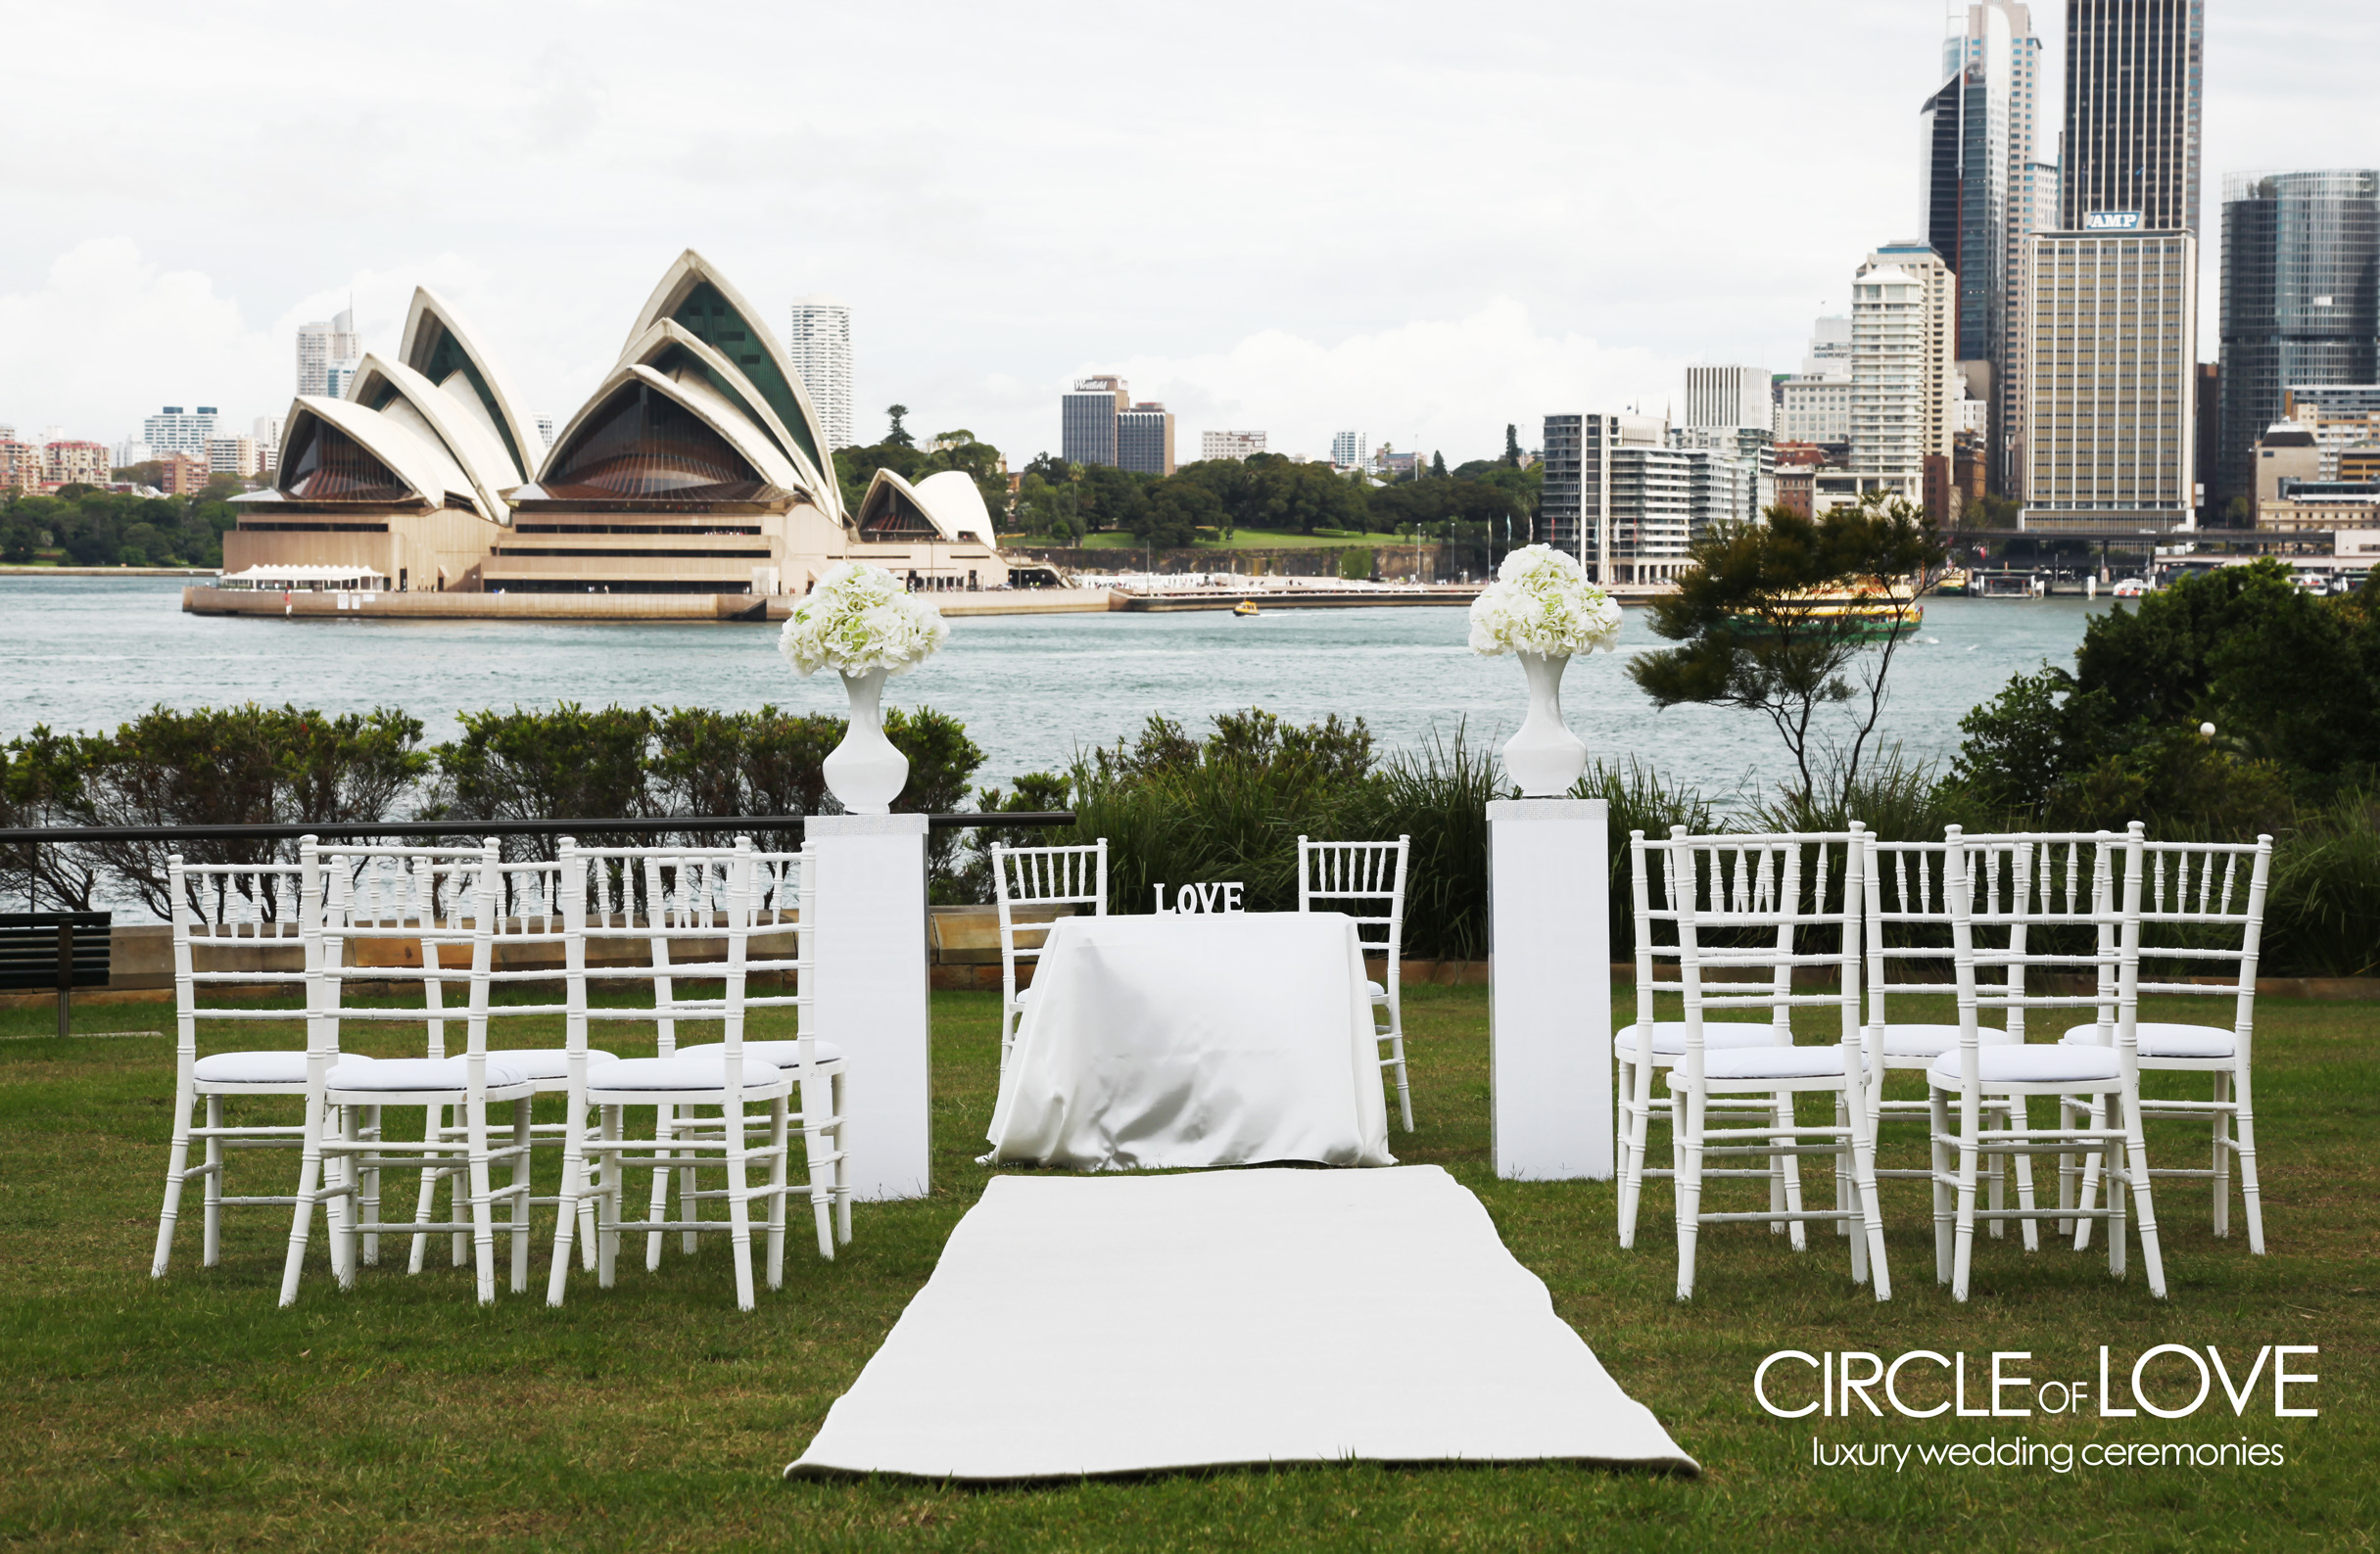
(191, 1413)
(1252, 539)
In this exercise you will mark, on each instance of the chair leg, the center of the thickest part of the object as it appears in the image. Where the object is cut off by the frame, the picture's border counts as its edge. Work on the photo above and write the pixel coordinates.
(458, 1178)
(178, 1165)
(302, 1216)
(739, 1208)
(1688, 1109)
(433, 1129)
(665, 1134)
(1846, 1198)
(483, 1209)
(1395, 1035)
(346, 1208)
(607, 1200)
(685, 1199)
(2136, 1152)
(574, 1187)
(779, 1166)
(822, 1184)
(2222, 1162)
(1962, 1245)
(1871, 1239)
(1996, 1190)
(842, 1168)
(2243, 1112)
(2094, 1164)
(368, 1179)
(2021, 1122)
(1797, 1234)
(211, 1251)
(1637, 1077)
(1938, 1151)
(517, 1183)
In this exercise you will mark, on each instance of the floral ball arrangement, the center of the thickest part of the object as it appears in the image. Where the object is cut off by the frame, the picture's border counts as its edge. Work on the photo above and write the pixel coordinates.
(1541, 602)
(860, 618)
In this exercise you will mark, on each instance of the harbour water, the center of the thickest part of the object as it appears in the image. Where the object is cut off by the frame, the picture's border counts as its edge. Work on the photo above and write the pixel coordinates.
(87, 653)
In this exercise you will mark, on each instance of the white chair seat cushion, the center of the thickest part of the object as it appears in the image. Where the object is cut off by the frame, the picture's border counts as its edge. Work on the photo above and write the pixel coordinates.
(2027, 1063)
(255, 1068)
(1378, 990)
(1669, 1036)
(778, 1055)
(418, 1073)
(1932, 1041)
(547, 1062)
(2159, 1039)
(686, 1071)
(1769, 1062)
(1024, 993)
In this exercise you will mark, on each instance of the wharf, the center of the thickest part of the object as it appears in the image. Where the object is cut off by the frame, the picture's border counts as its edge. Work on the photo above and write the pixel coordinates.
(352, 604)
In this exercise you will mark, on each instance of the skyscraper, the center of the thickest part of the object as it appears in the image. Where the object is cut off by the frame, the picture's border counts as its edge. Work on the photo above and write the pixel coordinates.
(1982, 177)
(820, 344)
(1086, 424)
(2301, 301)
(1347, 451)
(2132, 91)
(1144, 439)
(1729, 396)
(2109, 434)
(1904, 330)
(323, 345)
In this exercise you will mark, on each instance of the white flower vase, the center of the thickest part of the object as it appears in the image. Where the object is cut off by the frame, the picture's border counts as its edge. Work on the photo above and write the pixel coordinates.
(865, 772)
(1545, 757)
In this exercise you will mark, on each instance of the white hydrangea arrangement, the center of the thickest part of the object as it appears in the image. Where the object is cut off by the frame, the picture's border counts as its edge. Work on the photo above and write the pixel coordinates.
(1541, 602)
(860, 618)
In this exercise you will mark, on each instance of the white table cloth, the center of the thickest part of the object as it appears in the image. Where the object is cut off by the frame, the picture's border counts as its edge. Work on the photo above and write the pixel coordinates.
(1176, 1041)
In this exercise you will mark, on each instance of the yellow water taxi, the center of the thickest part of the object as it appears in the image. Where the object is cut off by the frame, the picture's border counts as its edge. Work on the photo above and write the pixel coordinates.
(1246, 607)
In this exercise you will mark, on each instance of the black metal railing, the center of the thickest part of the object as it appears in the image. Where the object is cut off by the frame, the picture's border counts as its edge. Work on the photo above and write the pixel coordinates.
(661, 825)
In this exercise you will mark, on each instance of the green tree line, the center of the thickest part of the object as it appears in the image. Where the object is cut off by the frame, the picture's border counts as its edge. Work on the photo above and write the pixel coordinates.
(87, 527)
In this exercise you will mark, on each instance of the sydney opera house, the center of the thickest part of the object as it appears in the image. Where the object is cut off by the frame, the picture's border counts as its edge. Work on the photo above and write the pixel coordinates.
(696, 466)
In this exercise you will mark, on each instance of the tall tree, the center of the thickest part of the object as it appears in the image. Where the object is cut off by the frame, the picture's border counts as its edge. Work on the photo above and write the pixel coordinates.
(898, 435)
(1512, 444)
(1438, 465)
(1763, 626)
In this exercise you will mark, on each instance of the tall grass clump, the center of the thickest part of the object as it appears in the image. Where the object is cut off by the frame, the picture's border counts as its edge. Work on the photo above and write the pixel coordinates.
(2322, 914)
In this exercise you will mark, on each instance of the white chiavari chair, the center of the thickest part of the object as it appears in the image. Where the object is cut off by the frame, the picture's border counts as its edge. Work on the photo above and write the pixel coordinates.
(727, 1077)
(1756, 920)
(1368, 874)
(1039, 881)
(784, 905)
(1910, 956)
(228, 920)
(342, 1164)
(2205, 911)
(1637, 1058)
(2077, 895)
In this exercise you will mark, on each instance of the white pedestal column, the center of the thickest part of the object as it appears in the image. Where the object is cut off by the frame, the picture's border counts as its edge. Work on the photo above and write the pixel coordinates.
(873, 993)
(1550, 989)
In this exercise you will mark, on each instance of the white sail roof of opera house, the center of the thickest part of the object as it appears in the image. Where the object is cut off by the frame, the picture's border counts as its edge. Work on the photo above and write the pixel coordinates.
(708, 306)
(946, 506)
(434, 427)
(648, 434)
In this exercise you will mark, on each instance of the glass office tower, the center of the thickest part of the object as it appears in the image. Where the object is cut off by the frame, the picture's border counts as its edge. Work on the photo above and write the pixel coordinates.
(2301, 300)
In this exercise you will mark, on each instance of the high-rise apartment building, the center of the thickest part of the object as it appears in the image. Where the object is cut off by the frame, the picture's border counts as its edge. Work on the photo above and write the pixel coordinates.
(2109, 433)
(2132, 96)
(20, 464)
(74, 462)
(322, 346)
(1230, 445)
(1629, 495)
(1814, 410)
(267, 432)
(174, 430)
(1144, 439)
(820, 344)
(182, 474)
(1904, 329)
(2301, 302)
(545, 429)
(1347, 451)
(1981, 131)
(1086, 426)
(233, 455)
(1729, 396)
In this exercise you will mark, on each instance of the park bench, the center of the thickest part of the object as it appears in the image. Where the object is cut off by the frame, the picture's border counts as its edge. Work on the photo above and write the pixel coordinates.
(61, 949)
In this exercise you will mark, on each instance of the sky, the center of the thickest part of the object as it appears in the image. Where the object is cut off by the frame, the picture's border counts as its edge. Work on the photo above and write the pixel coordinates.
(1418, 221)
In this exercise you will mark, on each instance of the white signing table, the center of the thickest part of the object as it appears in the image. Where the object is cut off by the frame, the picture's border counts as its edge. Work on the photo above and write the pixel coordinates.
(1179, 1041)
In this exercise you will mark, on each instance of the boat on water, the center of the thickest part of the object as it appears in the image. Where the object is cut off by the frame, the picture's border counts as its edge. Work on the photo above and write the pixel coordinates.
(1246, 607)
(1875, 613)
(1954, 582)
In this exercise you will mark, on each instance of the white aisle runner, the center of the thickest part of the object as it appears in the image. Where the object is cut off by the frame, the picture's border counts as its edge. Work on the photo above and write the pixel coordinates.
(1123, 1323)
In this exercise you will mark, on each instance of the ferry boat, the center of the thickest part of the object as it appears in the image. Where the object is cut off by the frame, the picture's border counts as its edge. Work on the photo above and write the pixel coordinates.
(1876, 613)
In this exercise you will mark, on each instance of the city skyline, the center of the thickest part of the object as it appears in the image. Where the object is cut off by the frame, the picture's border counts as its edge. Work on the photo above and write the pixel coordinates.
(1454, 334)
